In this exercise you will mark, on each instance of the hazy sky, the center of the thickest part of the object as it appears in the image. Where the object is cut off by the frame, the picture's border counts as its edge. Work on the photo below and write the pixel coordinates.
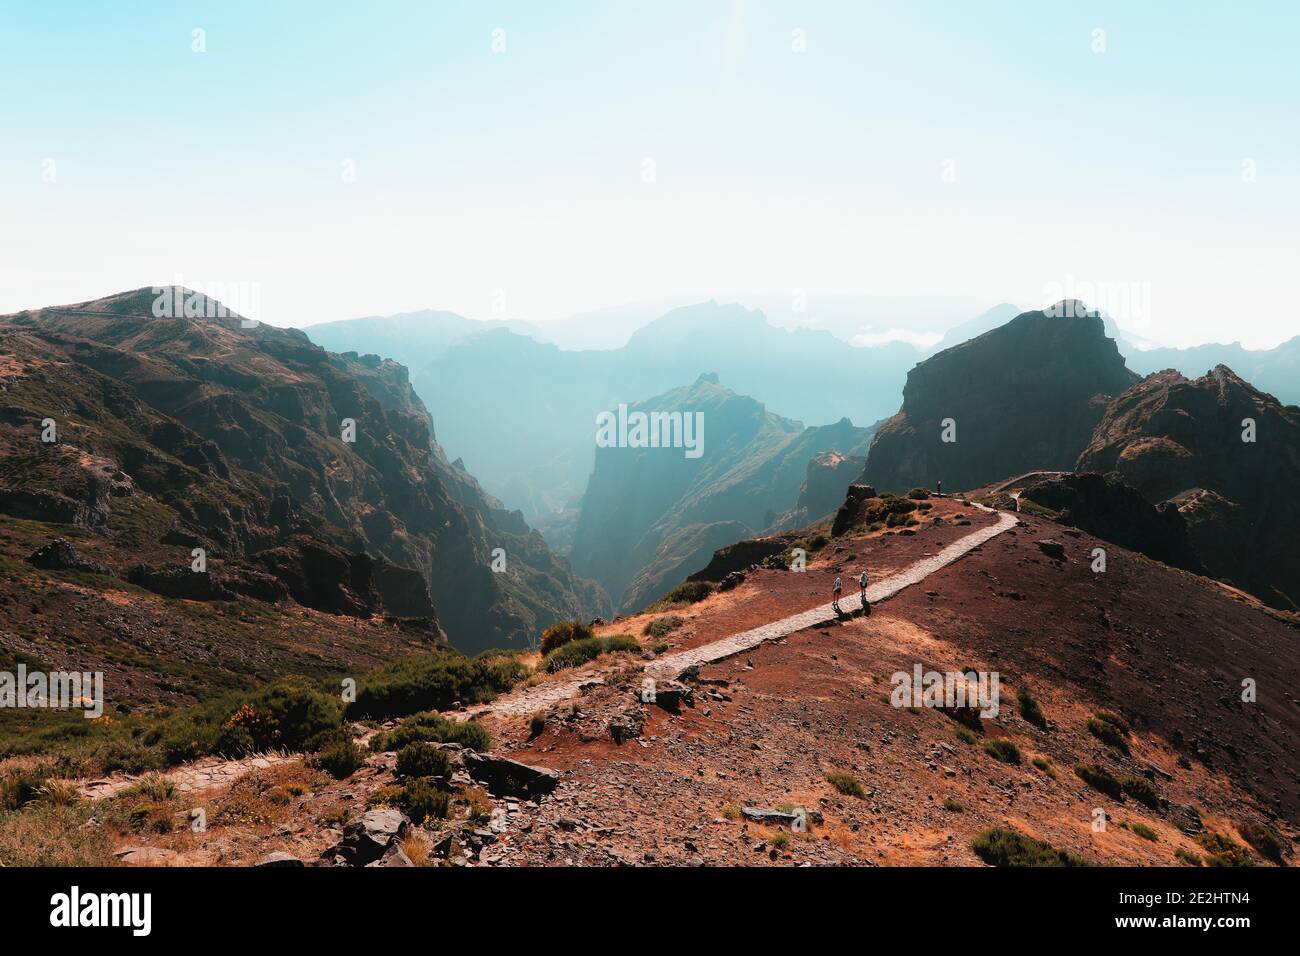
(596, 154)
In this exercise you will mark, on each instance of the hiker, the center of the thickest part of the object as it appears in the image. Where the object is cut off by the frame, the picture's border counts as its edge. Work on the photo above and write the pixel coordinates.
(862, 586)
(835, 601)
(938, 488)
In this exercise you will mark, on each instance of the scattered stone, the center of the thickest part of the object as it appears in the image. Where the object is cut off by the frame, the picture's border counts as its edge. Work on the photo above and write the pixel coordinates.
(279, 858)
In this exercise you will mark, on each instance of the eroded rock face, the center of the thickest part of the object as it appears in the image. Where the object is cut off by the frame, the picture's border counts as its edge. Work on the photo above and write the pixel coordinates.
(1103, 505)
(1023, 397)
(1182, 440)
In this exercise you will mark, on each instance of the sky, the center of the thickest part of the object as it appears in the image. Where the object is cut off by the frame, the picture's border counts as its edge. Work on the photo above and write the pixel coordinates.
(319, 161)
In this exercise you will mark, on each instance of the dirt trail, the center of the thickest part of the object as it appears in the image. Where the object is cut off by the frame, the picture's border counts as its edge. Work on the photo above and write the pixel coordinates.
(670, 666)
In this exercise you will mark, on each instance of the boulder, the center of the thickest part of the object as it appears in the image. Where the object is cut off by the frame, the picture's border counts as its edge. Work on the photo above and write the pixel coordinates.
(59, 555)
(1052, 548)
(509, 778)
(279, 858)
(368, 837)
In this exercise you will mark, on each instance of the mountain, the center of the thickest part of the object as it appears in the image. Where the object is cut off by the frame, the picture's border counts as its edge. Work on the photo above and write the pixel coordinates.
(410, 338)
(1021, 397)
(1276, 370)
(233, 439)
(1182, 440)
(545, 398)
(652, 516)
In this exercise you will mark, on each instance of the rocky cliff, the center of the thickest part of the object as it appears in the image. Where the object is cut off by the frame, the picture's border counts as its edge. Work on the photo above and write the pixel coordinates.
(1190, 441)
(1021, 397)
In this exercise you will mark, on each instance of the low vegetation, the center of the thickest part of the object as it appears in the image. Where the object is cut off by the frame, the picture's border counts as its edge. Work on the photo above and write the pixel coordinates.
(561, 633)
(847, 785)
(1264, 839)
(1141, 829)
(435, 681)
(1003, 750)
(1222, 851)
(1142, 790)
(1029, 709)
(662, 626)
(1000, 846)
(423, 759)
(1110, 729)
(1099, 779)
(435, 728)
(579, 652)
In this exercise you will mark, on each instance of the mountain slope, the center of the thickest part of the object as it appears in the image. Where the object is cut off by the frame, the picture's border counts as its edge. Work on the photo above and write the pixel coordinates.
(1180, 439)
(1023, 396)
(632, 532)
(234, 435)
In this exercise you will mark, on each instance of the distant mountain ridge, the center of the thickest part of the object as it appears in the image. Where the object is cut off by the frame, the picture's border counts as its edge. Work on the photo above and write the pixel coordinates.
(652, 516)
(500, 383)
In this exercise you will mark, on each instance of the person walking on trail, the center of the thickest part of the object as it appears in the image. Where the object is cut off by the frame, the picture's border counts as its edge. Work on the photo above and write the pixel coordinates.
(862, 586)
(835, 600)
(938, 488)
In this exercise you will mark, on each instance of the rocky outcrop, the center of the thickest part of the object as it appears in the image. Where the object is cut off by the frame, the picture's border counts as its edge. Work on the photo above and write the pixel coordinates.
(740, 557)
(1104, 506)
(829, 475)
(60, 555)
(1228, 457)
(1022, 397)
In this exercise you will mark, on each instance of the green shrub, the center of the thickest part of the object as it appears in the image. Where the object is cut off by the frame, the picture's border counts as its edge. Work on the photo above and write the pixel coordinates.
(966, 736)
(951, 805)
(1110, 717)
(1141, 790)
(918, 494)
(1221, 851)
(1111, 734)
(1029, 709)
(576, 653)
(153, 786)
(1264, 839)
(1097, 778)
(1191, 859)
(663, 625)
(849, 786)
(436, 728)
(19, 789)
(340, 759)
(1142, 830)
(561, 633)
(688, 592)
(421, 800)
(435, 681)
(1045, 765)
(422, 759)
(1003, 750)
(1000, 846)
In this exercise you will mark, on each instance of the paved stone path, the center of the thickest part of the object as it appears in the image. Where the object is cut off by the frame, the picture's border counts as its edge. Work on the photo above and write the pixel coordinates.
(205, 774)
(670, 666)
